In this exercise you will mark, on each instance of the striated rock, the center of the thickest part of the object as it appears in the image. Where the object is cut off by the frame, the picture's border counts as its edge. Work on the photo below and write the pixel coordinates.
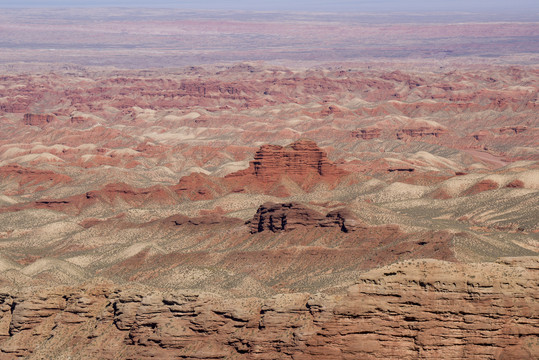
(341, 218)
(197, 186)
(419, 309)
(516, 129)
(38, 119)
(515, 184)
(122, 191)
(28, 176)
(204, 220)
(113, 194)
(400, 169)
(483, 185)
(291, 216)
(480, 135)
(367, 134)
(26, 314)
(284, 217)
(421, 131)
(78, 120)
(297, 160)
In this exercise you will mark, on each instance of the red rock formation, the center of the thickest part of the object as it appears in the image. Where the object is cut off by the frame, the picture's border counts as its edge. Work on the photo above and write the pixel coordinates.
(343, 219)
(197, 186)
(483, 185)
(204, 220)
(417, 309)
(284, 217)
(480, 135)
(28, 177)
(515, 184)
(421, 131)
(367, 134)
(400, 169)
(38, 119)
(291, 216)
(297, 161)
(516, 129)
(78, 120)
(332, 110)
(111, 193)
(115, 194)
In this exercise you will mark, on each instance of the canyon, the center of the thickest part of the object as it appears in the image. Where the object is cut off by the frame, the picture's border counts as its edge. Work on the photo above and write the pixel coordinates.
(228, 185)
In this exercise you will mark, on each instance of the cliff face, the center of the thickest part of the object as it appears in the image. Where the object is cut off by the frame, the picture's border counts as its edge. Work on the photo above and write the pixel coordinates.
(290, 216)
(297, 160)
(367, 134)
(38, 119)
(424, 309)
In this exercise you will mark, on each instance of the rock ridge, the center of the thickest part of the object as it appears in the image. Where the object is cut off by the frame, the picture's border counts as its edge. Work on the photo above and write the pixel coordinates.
(297, 160)
(419, 309)
(291, 216)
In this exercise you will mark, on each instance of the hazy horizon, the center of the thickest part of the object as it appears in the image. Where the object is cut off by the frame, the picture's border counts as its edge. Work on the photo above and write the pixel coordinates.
(297, 5)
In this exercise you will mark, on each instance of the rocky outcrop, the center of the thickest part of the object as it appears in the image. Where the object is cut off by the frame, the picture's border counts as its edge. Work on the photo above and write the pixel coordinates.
(420, 309)
(291, 216)
(480, 135)
(204, 220)
(297, 160)
(516, 184)
(343, 219)
(27, 176)
(421, 131)
(483, 185)
(367, 133)
(284, 217)
(38, 119)
(516, 129)
(197, 186)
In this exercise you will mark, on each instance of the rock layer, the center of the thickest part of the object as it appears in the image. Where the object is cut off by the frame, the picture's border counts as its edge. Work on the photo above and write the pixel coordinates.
(291, 216)
(367, 134)
(38, 119)
(422, 309)
(297, 160)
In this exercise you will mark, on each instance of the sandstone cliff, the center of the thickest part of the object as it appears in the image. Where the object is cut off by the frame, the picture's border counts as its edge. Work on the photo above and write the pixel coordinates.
(297, 160)
(420, 309)
(38, 119)
(290, 216)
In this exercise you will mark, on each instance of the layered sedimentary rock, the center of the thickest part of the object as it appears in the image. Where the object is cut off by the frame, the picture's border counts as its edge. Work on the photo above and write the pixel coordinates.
(367, 134)
(483, 185)
(516, 129)
(284, 217)
(291, 216)
(421, 131)
(297, 160)
(24, 176)
(38, 119)
(420, 309)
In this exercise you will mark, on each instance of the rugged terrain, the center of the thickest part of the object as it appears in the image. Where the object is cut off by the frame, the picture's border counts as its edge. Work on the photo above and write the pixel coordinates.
(422, 309)
(383, 205)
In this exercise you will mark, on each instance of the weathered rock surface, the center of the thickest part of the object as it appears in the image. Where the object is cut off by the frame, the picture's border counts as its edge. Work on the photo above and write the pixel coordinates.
(38, 119)
(25, 178)
(483, 185)
(284, 217)
(367, 134)
(297, 160)
(420, 309)
(516, 129)
(421, 131)
(205, 220)
(291, 216)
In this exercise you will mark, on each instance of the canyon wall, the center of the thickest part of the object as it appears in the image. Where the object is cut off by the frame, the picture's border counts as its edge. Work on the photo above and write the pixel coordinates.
(419, 309)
